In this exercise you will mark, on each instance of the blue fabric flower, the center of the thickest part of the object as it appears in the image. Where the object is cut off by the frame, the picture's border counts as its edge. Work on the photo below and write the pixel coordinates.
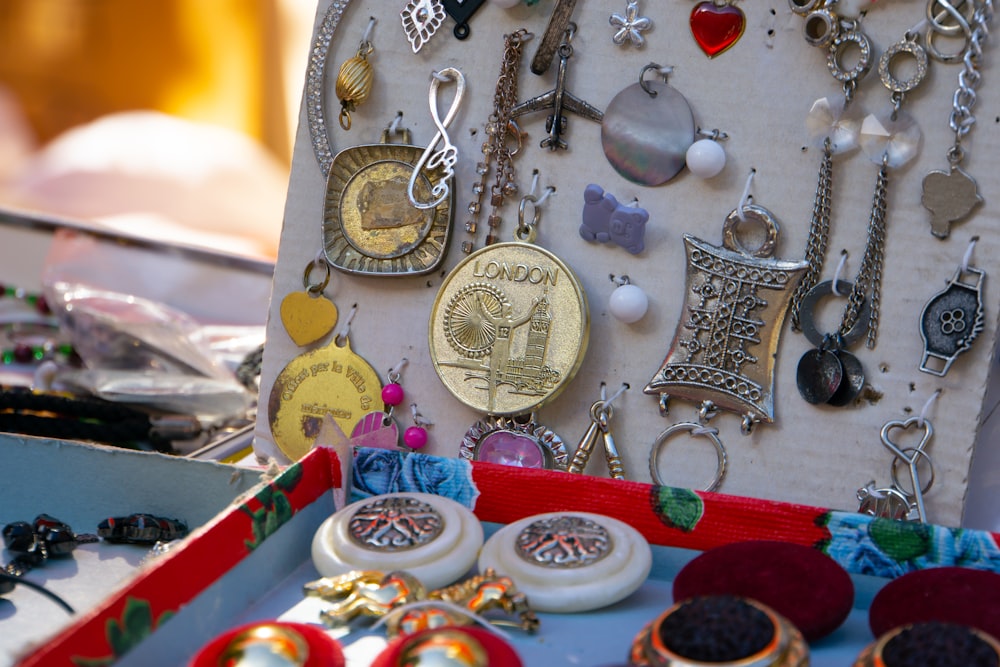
(448, 477)
(378, 471)
(852, 547)
(966, 548)
(917, 546)
(375, 471)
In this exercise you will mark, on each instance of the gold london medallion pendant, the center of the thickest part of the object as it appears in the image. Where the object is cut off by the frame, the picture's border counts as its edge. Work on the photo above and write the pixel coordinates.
(369, 225)
(509, 328)
(329, 380)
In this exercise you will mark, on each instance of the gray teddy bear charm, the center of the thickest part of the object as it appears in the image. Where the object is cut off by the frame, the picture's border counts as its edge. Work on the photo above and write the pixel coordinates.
(605, 220)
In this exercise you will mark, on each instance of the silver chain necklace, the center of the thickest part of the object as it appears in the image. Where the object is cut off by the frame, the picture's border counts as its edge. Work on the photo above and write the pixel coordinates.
(829, 373)
(952, 195)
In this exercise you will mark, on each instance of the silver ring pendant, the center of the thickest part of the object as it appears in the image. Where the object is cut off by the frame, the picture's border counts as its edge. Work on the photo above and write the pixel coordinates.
(646, 136)
(807, 313)
(839, 47)
(694, 430)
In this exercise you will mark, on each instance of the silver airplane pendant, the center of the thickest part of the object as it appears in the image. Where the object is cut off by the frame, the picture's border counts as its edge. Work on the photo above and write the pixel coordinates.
(562, 102)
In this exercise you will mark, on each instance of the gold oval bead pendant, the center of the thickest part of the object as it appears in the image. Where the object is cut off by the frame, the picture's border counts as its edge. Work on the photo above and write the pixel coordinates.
(354, 85)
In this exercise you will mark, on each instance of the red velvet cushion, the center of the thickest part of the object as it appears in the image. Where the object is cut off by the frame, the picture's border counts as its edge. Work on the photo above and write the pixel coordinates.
(802, 584)
(500, 652)
(323, 650)
(947, 594)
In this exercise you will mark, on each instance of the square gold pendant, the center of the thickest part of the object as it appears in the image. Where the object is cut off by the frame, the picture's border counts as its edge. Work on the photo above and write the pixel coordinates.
(369, 225)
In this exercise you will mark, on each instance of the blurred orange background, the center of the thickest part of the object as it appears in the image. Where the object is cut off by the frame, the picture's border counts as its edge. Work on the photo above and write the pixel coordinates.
(233, 64)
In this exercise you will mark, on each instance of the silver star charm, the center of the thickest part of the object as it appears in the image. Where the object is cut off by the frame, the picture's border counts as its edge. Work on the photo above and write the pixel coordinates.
(630, 25)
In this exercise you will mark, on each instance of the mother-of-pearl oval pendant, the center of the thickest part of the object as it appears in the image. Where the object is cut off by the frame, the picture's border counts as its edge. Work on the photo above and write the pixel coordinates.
(646, 137)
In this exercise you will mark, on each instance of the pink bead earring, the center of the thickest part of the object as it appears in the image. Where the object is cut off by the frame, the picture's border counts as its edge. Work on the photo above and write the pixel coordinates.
(415, 437)
(378, 429)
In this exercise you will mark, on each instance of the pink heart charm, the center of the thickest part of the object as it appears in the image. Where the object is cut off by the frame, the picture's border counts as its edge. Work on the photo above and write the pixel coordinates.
(717, 27)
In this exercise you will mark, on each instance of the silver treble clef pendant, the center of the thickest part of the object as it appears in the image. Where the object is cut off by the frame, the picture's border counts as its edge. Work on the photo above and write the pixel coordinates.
(444, 159)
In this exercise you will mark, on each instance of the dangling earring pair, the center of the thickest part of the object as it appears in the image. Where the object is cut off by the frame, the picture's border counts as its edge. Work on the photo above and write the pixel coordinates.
(378, 429)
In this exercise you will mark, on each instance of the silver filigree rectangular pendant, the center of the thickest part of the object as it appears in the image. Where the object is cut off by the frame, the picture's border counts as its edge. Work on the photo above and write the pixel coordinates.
(724, 346)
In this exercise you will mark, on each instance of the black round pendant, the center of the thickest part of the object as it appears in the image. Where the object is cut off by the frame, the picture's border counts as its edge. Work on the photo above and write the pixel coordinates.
(818, 376)
(853, 380)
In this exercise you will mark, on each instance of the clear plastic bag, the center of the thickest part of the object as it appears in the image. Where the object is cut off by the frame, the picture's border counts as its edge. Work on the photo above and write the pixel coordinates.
(141, 350)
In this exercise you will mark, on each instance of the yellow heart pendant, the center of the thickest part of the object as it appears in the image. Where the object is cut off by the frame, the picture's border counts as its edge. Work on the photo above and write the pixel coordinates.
(307, 318)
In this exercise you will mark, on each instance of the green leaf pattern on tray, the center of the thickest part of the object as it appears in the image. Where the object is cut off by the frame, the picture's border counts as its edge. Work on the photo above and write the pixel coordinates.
(126, 633)
(678, 508)
(275, 507)
(881, 547)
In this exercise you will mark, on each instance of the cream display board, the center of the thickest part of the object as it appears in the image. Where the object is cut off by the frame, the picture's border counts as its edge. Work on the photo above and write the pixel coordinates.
(636, 260)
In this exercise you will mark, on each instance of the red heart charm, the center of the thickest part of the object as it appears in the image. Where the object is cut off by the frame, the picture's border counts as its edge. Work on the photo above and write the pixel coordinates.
(717, 27)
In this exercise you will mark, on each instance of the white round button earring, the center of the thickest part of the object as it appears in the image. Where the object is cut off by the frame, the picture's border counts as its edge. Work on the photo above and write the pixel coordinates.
(433, 538)
(706, 158)
(570, 561)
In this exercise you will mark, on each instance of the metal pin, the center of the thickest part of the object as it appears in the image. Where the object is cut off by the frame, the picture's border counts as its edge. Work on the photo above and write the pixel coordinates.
(615, 466)
(558, 22)
(586, 446)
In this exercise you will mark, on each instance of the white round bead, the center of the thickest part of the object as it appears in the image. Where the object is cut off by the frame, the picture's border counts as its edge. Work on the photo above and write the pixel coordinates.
(706, 158)
(505, 4)
(628, 303)
(852, 8)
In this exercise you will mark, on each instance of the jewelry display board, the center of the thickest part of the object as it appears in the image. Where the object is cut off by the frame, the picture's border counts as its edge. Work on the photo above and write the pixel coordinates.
(759, 93)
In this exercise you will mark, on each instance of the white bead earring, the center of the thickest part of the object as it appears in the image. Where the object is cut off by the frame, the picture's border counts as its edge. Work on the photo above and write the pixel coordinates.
(628, 303)
(706, 158)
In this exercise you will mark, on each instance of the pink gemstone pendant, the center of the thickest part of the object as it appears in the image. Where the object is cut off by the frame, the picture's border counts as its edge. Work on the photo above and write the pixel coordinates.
(717, 27)
(511, 449)
(513, 442)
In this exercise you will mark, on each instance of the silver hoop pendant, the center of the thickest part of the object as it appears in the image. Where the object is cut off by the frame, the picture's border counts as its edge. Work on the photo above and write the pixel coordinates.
(694, 430)
(647, 130)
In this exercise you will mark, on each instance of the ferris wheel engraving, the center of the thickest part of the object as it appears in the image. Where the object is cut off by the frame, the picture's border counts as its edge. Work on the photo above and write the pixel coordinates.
(472, 319)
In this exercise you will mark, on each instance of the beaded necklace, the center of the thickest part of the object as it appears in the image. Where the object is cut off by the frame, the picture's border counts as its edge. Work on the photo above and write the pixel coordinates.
(30, 332)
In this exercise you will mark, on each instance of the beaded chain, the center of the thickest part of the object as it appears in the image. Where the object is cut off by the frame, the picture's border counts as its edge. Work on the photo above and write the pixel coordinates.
(36, 301)
(495, 148)
(315, 74)
(29, 343)
(24, 353)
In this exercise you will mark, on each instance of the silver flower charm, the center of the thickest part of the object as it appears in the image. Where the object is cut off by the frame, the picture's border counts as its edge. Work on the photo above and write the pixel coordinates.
(630, 25)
